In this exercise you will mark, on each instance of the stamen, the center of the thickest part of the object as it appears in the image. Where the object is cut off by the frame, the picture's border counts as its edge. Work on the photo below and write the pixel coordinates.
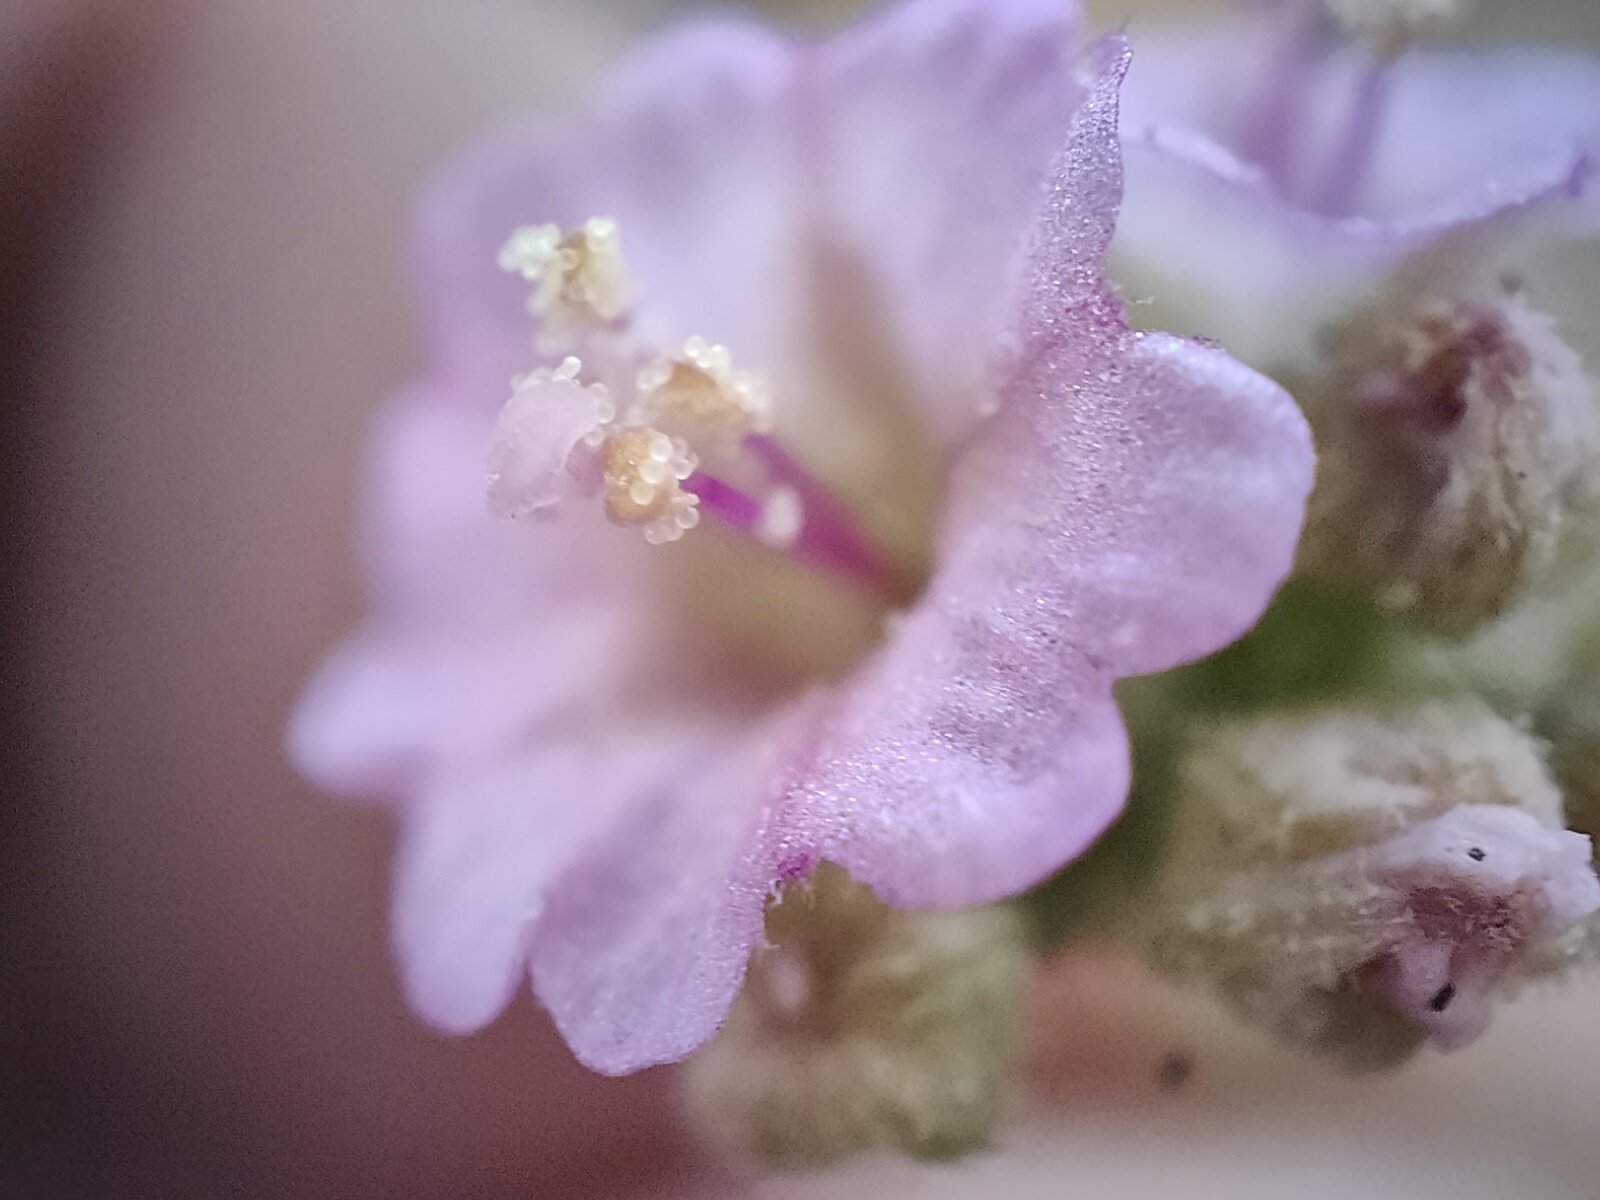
(684, 408)
(799, 517)
(1352, 159)
(644, 470)
(702, 398)
(579, 278)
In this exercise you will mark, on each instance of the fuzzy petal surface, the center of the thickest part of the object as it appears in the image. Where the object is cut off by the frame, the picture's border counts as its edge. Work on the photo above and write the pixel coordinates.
(1134, 504)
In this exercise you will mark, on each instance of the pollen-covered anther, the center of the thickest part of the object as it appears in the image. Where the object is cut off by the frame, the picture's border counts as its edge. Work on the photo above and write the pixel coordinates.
(579, 277)
(644, 470)
(702, 397)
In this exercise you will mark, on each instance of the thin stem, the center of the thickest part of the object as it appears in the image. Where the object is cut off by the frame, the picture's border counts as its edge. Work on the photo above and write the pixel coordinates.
(1352, 158)
(1277, 116)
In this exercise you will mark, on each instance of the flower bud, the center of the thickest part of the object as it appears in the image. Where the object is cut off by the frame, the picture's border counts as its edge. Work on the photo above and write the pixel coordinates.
(1364, 880)
(1392, 18)
(863, 1028)
(1456, 439)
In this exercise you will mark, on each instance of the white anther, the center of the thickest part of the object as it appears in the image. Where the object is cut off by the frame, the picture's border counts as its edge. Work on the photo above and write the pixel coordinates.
(579, 278)
(530, 250)
(602, 232)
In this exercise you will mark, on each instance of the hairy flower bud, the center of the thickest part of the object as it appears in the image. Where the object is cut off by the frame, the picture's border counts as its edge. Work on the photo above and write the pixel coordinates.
(1456, 439)
(1362, 881)
(863, 1028)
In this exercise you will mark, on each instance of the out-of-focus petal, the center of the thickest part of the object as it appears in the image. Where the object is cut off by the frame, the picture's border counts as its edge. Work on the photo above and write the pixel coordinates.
(395, 702)
(644, 943)
(1458, 125)
(482, 847)
(1471, 146)
(1268, 273)
(940, 121)
(1486, 122)
(693, 149)
(434, 551)
(478, 628)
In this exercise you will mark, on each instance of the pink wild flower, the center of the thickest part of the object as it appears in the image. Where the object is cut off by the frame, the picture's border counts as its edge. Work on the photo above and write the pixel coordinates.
(907, 559)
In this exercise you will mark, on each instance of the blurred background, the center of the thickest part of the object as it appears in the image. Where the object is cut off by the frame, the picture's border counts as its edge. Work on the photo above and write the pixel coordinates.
(200, 305)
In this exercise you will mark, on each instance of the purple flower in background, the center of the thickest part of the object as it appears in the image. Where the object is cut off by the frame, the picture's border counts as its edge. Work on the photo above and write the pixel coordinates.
(954, 502)
(1316, 162)
(1362, 217)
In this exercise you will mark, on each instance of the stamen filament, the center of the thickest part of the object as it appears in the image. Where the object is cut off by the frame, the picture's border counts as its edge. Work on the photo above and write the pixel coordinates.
(1347, 171)
(830, 526)
(1268, 136)
(827, 536)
